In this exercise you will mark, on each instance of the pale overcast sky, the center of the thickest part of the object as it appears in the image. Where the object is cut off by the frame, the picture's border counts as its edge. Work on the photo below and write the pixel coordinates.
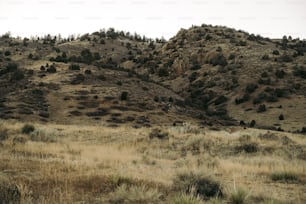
(155, 18)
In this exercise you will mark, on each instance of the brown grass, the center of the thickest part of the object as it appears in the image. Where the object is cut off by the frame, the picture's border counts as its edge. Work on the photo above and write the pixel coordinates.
(89, 163)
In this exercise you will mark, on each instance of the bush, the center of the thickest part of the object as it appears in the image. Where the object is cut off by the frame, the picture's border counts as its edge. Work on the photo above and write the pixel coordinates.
(17, 75)
(280, 74)
(101, 77)
(284, 176)
(262, 108)
(3, 134)
(197, 184)
(10, 67)
(124, 96)
(87, 71)
(220, 100)
(245, 98)
(74, 67)
(275, 52)
(135, 195)
(265, 57)
(51, 69)
(286, 58)
(218, 59)
(300, 72)
(43, 135)
(27, 129)
(250, 88)
(281, 117)
(163, 72)
(252, 123)
(157, 133)
(248, 147)
(80, 78)
(239, 196)
(7, 53)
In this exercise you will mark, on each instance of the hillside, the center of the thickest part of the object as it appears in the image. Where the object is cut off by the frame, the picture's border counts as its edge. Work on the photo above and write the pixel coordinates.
(210, 73)
(213, 115)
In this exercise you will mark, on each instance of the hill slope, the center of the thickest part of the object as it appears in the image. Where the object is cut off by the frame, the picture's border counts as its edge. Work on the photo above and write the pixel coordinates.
(205, 73)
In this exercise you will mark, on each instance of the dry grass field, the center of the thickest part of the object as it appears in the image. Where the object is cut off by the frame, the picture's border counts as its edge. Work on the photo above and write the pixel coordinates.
(98, 164)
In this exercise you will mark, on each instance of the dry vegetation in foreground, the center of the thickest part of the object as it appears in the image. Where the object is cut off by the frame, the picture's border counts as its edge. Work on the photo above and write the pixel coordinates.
(94, 164)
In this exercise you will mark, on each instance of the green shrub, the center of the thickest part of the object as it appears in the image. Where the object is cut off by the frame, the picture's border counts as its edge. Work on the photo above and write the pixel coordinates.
(265, 57)
(250, 88)
(262, 108)
(27, 129)
(43, 135)
(10, 67)
(87, 71)
(135, 195)
(124, 96)
(280, 74)
(197, 184)
(238, 196)
(281, 117)
(163, 72)
(284, 176)
(74, 67)
(51, 69)
(7, 53)
(275, 52)
(3, 134)
(17, 75)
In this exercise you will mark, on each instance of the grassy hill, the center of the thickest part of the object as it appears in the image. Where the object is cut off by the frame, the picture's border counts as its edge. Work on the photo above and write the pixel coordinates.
(213, 115)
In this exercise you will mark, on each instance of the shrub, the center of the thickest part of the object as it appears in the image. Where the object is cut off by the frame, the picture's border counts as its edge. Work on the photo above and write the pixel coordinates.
(7, 53)
(10, 67)
(252, 123)
(280, 74)
(284, 176)
(220, 100)
(17, 75)
(3, 134)
(197, 184)
(163, 72)
(27, 129)
(135, 195)
(78, 79)
(87, 71)
(157, 133)
(124, 96)
(281, 117)
(265, 57)
(193, 76)
(300, 72)
(262, 108)
(250, 88)
(238, 196)
(286, 58)
(74, 67)
(275, 52)
(101, 77)
(245, 98)
(218, 59)
(43, 135)
(51, 69)
(248, 147)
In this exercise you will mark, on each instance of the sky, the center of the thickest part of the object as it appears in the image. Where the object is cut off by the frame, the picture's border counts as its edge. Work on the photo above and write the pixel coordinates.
(155, 18)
